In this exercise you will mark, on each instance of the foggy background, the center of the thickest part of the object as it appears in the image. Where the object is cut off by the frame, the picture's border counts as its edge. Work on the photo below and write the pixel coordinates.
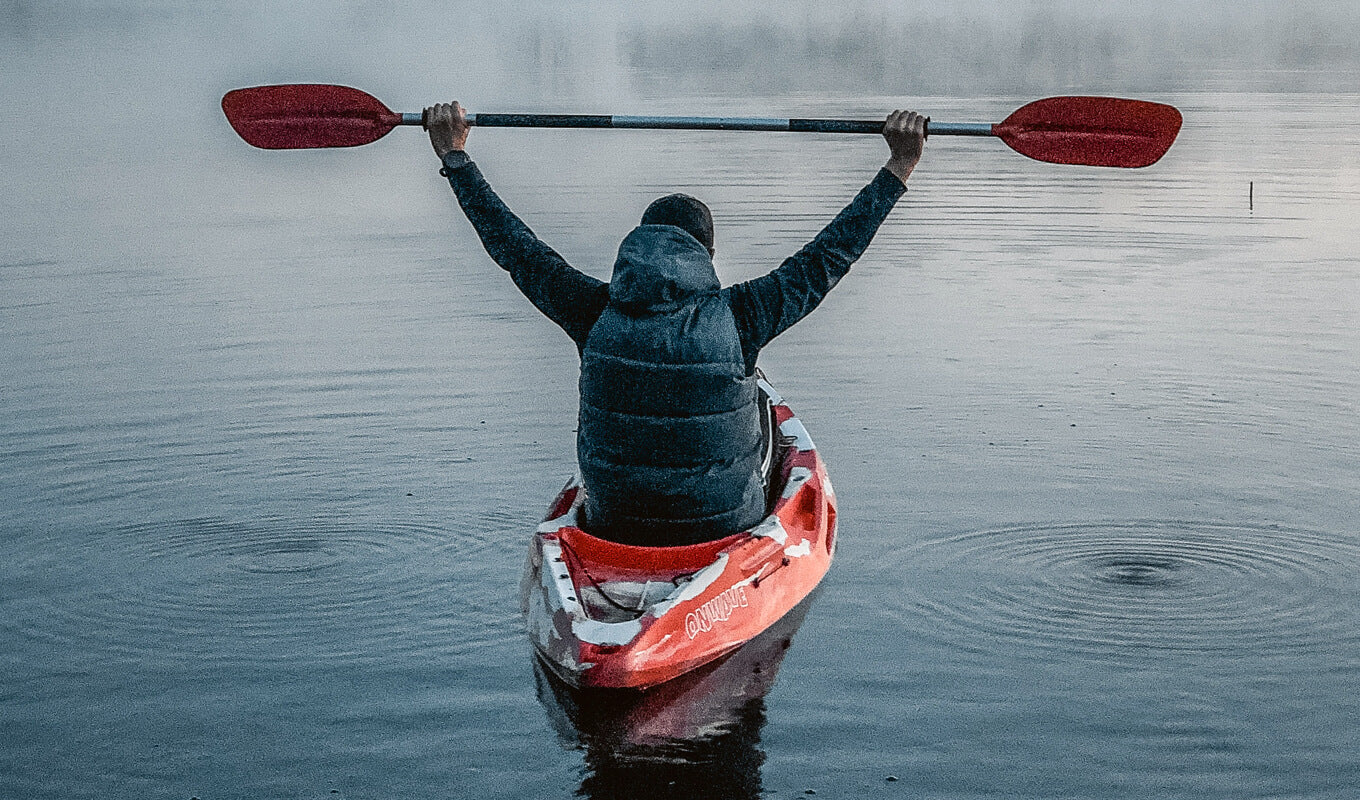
(537, 52)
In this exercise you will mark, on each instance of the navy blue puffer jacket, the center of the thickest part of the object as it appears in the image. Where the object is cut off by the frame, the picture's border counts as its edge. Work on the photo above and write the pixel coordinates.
(669, 440)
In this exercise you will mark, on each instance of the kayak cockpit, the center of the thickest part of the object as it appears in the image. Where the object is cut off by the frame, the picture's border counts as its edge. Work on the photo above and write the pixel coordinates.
(620, 582)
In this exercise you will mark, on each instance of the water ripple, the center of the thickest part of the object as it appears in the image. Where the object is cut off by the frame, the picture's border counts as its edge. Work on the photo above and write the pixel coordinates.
(271, 591)
(1118, 589)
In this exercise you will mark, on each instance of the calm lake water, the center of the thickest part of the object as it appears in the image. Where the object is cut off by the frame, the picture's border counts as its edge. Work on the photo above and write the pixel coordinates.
(274, 431)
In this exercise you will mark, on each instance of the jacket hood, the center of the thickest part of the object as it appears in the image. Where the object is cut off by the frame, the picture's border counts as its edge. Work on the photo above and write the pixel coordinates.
(659, 268)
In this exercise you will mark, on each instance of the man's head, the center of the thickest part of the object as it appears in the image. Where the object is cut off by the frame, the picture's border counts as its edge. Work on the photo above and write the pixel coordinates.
(685, 213)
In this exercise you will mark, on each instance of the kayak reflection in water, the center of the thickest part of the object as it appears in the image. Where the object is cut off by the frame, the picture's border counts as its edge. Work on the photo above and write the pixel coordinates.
(696, 736)
(669, 441)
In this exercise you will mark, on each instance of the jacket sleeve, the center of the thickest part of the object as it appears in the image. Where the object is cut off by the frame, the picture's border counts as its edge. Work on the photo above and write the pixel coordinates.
(564, 294)
(769, 305)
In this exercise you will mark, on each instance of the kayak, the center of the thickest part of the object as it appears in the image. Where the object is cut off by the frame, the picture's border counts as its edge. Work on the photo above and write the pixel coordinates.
(608, 615)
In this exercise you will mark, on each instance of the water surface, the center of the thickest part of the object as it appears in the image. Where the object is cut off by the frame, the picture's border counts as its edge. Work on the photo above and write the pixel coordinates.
(274, 431)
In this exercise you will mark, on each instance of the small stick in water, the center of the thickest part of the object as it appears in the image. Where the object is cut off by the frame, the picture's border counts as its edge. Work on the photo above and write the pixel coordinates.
(1251, 195)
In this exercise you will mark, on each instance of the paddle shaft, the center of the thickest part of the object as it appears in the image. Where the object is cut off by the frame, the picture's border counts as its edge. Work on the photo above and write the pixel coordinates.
(702, 123)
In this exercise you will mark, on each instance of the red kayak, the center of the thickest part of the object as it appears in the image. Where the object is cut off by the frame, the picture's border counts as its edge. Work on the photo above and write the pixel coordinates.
(603, 614)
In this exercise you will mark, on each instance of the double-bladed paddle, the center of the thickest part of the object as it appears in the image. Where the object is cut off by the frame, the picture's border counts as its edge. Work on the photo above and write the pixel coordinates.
(1093, 131)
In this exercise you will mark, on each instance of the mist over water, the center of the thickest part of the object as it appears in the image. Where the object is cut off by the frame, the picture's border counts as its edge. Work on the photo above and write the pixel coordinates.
(274, 432)
(544, 52)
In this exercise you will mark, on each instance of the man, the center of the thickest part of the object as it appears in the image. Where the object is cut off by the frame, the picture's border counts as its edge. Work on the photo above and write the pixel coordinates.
(669, 443)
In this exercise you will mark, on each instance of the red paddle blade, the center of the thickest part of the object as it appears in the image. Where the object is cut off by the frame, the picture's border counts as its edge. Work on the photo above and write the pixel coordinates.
(302, 115)
(1095, 131)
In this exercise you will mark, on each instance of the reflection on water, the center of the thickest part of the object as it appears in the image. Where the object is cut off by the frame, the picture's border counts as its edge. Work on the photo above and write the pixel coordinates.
(694, 737)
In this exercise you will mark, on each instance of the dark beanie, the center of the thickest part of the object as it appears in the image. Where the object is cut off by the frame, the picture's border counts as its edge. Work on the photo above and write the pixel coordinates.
(685, 213)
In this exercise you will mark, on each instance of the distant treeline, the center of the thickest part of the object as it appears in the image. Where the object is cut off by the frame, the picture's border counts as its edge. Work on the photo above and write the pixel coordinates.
(1039, 48)
(557, 50)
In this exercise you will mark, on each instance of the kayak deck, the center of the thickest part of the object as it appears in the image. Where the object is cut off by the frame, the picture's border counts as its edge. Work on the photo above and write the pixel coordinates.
(605, 614)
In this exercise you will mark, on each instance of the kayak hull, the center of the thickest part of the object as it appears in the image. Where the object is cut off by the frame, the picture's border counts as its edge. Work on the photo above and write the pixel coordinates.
(609, 615)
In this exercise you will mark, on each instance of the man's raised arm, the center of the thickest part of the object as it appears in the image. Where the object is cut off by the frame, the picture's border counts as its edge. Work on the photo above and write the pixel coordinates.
(769, 305)
(564, 294)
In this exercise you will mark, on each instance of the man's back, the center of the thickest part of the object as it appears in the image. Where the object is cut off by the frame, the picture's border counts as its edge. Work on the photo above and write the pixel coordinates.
(669, 441)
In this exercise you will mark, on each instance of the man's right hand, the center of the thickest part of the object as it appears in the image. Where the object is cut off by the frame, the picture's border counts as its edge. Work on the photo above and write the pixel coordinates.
(447, 124)
(906, 135)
